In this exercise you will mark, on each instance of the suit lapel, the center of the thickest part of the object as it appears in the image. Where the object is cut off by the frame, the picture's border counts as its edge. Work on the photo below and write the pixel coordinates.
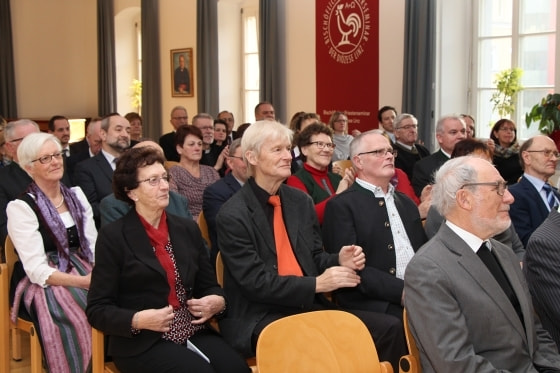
(472, 264)
(230, 180)
(104, 166)
(139, 243)
(258, 217)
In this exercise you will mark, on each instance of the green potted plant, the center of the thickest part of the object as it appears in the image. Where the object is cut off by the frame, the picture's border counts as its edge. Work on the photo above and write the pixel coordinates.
(507, 86)
(546, 113)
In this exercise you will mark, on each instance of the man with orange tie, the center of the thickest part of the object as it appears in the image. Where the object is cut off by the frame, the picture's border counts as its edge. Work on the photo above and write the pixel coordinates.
(274, 261)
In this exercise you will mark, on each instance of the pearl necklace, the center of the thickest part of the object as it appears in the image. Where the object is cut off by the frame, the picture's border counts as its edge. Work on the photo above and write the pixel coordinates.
(61, 202)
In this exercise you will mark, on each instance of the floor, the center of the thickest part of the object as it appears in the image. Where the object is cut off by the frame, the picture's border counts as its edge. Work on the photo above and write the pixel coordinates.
(22, 366)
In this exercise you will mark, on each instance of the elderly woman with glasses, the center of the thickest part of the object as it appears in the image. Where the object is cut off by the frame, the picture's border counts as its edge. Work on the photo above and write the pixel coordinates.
(316, 145)
(153, 289)
(54, 234)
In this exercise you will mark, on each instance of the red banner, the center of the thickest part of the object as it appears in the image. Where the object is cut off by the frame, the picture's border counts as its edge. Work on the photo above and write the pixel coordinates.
(347, 55)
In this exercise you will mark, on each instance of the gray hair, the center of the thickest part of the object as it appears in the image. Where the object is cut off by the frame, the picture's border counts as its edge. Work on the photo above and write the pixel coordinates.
(32, 144)
(11, 126)
(355, 145)
(261, 131)
(442, 120)
(401, 117)
(234, 145)
(202, 116)
(178, 107)
(449, 179)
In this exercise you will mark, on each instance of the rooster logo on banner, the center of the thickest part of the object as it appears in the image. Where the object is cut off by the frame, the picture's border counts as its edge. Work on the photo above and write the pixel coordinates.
(346, 29)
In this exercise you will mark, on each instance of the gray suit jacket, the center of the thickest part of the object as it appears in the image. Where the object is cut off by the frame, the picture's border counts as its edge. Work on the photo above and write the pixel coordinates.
(542, 268)
(460, 317)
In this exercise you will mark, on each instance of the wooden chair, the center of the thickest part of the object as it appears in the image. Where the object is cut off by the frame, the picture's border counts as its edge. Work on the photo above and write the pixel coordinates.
(203, 226)
(21, 325)
(321, 341)
(98, 364)
(343, 164)
(409, 363)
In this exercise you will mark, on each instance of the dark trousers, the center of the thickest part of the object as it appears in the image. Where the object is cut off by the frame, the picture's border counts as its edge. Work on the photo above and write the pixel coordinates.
(169, 357)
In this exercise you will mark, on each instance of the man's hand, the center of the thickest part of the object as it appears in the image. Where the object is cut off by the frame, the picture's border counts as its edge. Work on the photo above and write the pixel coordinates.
(335, 278)
(353, 257)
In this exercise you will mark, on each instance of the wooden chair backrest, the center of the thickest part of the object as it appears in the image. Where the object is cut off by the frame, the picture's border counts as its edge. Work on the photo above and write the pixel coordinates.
(343, 164)
(203, 226)
(409, 363)
(11, 255)
(220, 269)
(321, 341)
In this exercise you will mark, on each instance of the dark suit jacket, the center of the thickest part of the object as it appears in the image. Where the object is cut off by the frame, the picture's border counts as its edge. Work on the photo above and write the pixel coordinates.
(214, 196)
(128, 278)
(356, 216)
(111, 208)
(95, 177)
(462, 320)
(542, 269)
(528, 211)
(424, 169)
(79, 147)
(406, 160)
(73, 161)
(167, 142)
(251, 278)
(13, 182)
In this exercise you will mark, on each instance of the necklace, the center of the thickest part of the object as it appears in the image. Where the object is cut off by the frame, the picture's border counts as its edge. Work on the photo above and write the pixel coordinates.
(61, 202)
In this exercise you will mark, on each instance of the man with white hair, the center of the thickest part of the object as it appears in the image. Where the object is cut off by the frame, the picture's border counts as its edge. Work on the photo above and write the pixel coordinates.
(466, 298)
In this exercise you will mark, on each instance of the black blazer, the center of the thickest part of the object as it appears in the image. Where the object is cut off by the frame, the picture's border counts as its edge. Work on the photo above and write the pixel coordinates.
(79, 147)
(95, 177)
(356, 216)
(251, 278)
(167, 142)
(406, 160)
(127, 278)
(424, 169)
(13, 182)
(214, 196)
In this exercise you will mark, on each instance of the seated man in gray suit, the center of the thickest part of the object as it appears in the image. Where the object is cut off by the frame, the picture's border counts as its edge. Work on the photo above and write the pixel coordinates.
(112, 208)
(468, 303)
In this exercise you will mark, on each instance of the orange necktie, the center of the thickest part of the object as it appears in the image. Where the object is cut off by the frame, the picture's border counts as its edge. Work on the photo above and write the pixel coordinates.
(287, 262)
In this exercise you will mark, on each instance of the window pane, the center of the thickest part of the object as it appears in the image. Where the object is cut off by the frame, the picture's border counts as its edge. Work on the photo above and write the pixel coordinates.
(537, 60)
(537, 16)
(251, 42)
(526, 100)
(252, 71)
(495, 17)
(484, 116)
(495, 56)
(251, 100)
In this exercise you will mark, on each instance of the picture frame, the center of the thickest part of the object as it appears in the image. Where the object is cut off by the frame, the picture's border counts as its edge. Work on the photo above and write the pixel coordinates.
(182, 83)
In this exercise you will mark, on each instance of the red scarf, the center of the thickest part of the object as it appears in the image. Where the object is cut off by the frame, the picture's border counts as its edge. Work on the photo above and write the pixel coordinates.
(159, 238)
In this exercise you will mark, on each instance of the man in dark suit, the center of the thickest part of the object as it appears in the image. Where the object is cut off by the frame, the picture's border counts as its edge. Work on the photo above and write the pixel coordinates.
(542, 269)
(409, 151)
(13, 179)
(179, 117)
(216, 194)
(467, 301)
(385, 223)
(538, 156)
(94, 175)
(87, 148)
(450, 130)
(268, 275)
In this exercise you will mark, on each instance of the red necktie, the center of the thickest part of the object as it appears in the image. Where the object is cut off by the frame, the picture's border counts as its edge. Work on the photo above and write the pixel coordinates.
(287, 262)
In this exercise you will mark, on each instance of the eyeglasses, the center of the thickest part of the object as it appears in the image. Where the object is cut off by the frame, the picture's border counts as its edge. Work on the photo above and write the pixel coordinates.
(48, 158)
(380, 153)
(234, 156)
(409, 127)
(321, 145)
(500, 186)
(155, 180)
(206, 128)
(16, 140)
(546, 152)
(180, 118)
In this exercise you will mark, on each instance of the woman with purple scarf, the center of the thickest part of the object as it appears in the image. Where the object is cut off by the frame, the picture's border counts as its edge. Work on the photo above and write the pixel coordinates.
(54, 233)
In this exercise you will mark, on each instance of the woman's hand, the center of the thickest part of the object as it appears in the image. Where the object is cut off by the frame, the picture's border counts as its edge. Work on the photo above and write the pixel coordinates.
(158, 320)
(352, 257)
(347, 180)
(203, 309)
(221, 158)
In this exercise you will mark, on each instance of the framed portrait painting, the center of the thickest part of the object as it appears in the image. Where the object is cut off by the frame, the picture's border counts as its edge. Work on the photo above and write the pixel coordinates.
(182, 73)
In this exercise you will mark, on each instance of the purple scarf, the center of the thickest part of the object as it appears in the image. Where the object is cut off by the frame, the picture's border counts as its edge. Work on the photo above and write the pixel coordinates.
(56, 227)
